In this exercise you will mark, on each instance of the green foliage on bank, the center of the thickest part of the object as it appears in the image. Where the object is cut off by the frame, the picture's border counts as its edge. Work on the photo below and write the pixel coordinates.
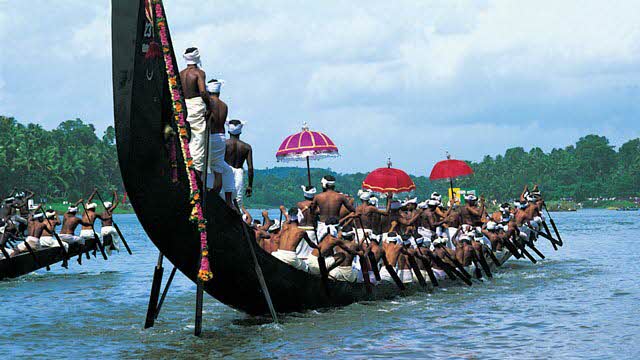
(67, 162)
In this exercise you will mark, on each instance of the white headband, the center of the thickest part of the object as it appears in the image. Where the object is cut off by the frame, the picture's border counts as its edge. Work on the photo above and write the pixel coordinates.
(470, 197)
(308, 193)
(38, 216)
(192, 58)
(364, 195)
(72, 209)
(107, 204)
(326, 182)
(236, 129)
(91, 206)
(275, 226)
(214, 86)
(436, 196)
(410, 201)
(51, 214)
(373, 201)
(491, 225)
(423, 205)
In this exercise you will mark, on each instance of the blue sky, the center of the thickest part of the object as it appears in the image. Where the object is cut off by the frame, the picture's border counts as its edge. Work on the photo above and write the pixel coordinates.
(408, 80)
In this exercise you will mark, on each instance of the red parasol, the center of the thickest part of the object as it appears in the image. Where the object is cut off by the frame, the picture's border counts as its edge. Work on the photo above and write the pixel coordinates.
(309, 145)
(388, 180)
(450, 169)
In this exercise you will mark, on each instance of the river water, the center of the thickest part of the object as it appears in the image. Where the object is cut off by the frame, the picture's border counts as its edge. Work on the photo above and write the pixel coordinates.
(581, 302)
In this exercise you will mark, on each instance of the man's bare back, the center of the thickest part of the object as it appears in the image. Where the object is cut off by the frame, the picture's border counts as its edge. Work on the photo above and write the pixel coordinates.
(193, 82)
(237, 152)
(329, 204)
(217, 117)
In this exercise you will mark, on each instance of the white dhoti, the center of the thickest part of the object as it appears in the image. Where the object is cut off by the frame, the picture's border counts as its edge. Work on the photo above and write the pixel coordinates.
(86, 234)
(424, 274)
(314, 267)
(304, 250)
(425, 233)
(384, 274)
(290, 257)
(525, 233)
(440, 274)
(33, 242)
(344, 273)
(238, 177)
(484, 241)
(51, 241)
(71, 239)
(115, 238)
(196, 110)
(451, 233)
(322, 230)
(405, 275)
(217, 149)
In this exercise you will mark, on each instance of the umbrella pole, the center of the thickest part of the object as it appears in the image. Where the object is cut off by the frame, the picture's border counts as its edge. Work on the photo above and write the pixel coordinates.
(451, 185)
(308, 172)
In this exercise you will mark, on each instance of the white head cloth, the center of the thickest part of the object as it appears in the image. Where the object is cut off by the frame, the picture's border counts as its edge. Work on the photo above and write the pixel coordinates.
(326, 182)
(192, 58)
(72, 209)
(433, 202)
(236, 129)
(38, 216)
(470, 197)
(423, 205)
(275, 226)
(308, 193)
(364, 195)
(50, 214)
(396, 238)
(436, 196)
(491, 225)
(373, 201)
(107, 204)
(214, 86)
(410, 201)
(333, 230)
(91, 206)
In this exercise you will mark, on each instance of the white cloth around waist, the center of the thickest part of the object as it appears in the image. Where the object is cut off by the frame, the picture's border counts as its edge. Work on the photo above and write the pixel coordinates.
(314, 266)
(344, 273)
(217, 149)
(290, 257)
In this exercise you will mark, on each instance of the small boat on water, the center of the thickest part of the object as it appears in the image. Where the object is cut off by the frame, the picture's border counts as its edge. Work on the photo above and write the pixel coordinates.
(25, 263)
(160, 194)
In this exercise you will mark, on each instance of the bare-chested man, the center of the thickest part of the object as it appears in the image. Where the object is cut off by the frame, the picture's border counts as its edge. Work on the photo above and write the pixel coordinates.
(369, 215)
(193, 81)
(290, 236)
(393, 248)
(47, 238)
(110, 236)
(88, 220)
(222, 172)
(237, 153)
(34, 231)
(329, 203)
(345, 271)
(326, 247)
(470, 213)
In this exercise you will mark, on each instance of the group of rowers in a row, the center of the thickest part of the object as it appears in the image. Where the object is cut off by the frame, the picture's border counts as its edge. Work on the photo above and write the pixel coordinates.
(326, 232)
(25, 228)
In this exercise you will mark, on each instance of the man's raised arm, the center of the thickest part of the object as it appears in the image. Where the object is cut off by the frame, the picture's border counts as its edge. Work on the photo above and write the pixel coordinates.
(249, 190)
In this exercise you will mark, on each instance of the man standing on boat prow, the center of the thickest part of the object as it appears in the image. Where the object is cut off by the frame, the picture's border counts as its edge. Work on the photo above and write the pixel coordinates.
(193, 81)
(329, 203)
(217, 117)
(237, 153)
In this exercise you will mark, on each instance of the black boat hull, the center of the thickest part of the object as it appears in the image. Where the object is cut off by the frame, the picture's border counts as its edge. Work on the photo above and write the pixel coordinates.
(141, 101)
(25, 263)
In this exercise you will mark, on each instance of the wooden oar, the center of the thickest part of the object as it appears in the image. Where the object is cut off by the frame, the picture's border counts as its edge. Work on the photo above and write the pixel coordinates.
(483, 263)
(324, 272)
(95, 235)
(492, 255)
(548, 236)
(372, 257)
(363, 265)
(124, 241)
(427, 267)
(155, 292)
(524, 251)
(416, 271)
(457, 264)
(63, 251)
(393, 273)
(451, 271)
(553, 224)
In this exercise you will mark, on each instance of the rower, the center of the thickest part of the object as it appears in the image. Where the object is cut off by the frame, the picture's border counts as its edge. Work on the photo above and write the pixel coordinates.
(34, 231)
(409, 216)
(345, 271)
(237, 153)
(306, 218)
(291, 235)
(404, 271)
(223, 175)
(333, 239)
(329, 203)
(491, 231)
(428, 221)
(470, 213)
(369, 214)
(392, 249)
(47, 239)
(70, 222)
(88, 220)
(193, 81)
(110, 236)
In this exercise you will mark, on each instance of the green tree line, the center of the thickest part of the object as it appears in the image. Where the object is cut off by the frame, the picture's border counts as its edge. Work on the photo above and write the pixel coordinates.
(67, 162)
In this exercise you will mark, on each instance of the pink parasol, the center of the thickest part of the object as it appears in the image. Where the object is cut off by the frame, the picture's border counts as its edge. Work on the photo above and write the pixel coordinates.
(308, 145)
